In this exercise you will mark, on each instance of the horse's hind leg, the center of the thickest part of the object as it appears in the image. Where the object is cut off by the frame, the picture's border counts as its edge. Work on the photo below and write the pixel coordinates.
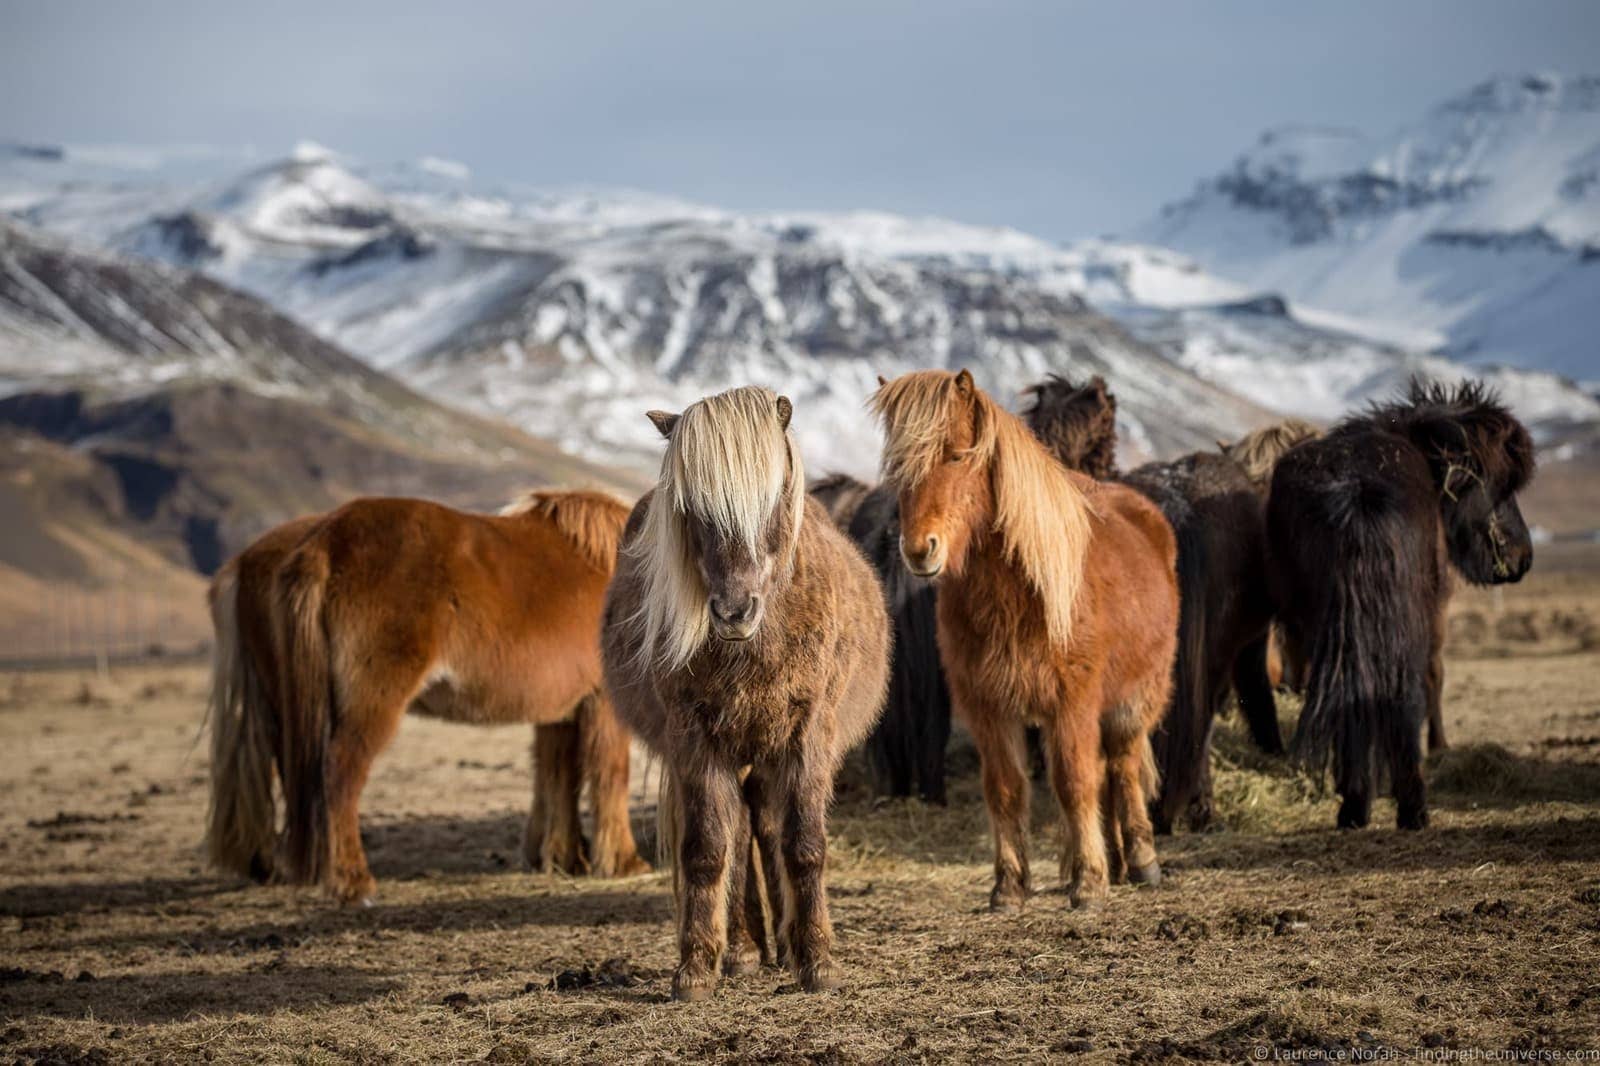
(1129, 769)
(366, 725)
(1006, 790)
(766, 827)
(606, 745)
(1435, 686)
(1256, 702)
(553, 842)
(539, 814)
(1116, 858)
(711, 805)
(743, 955)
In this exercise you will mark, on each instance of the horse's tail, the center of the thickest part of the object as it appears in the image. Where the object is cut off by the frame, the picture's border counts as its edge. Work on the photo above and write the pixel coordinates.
(241, 819)
(1359, 697)
(305, 689)
(1182, 735)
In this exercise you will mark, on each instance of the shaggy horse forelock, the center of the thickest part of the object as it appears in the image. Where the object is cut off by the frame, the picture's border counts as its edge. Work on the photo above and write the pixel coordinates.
(732, 463)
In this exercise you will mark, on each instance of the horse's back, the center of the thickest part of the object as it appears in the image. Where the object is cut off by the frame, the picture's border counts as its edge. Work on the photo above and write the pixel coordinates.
(486, 618)
(1133, 586)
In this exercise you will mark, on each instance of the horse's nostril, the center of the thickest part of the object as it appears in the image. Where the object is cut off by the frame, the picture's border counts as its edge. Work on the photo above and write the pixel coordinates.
(933, 545)
(734, 613)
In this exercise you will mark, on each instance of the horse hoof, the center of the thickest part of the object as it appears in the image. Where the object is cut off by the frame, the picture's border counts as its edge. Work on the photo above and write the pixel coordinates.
(1148, 875)
(741, 962)
(693, 988)
(1089, 902)
(823, 977)
(1006, 904)
(635, 866)
(1413, 819)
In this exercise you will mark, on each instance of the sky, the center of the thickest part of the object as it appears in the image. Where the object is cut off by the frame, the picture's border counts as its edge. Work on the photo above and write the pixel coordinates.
(1062, 119)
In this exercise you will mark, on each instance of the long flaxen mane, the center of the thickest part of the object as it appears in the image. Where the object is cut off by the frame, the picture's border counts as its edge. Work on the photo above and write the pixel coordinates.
(1258, 452)
(730, 462)
(591, 520)
(1040, 514)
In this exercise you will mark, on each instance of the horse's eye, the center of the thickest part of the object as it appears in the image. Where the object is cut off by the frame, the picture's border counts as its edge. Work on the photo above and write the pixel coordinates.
(956, 457)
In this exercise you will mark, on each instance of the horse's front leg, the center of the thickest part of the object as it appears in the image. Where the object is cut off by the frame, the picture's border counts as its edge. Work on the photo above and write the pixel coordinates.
(709, 802)
(807, 932)
(1000, 741)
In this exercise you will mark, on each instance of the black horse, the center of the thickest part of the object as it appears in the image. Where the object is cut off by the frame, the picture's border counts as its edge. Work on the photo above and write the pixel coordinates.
(1362, 526)
(1226, 609)
(907, 748)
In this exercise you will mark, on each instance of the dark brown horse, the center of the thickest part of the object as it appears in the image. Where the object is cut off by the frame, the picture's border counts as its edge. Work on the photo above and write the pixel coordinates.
(840, 495)
(1058, 607)
(330, 628)
(1218, 517)
(744, 632)
(1362, 526)
(907, 748)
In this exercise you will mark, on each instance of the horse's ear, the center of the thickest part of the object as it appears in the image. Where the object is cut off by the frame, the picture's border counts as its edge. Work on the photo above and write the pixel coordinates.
(664, 421)
(882, 381)
(785, 412)
(964, 382)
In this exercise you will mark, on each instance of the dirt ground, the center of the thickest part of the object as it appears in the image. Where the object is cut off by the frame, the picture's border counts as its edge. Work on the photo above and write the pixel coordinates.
(1275, 938)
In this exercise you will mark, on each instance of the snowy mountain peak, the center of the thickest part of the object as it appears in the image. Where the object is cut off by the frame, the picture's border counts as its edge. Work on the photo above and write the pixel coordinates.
(1533, 91)
(311, 152)
(307, 197)
(1480, 221)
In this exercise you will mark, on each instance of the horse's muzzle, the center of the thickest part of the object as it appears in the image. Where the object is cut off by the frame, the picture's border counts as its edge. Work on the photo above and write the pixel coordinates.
(927, 564)
(735, 622)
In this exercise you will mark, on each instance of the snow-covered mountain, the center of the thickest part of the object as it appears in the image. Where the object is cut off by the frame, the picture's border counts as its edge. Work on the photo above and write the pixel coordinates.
(572, 311)
(1474, 231)
(166, 411)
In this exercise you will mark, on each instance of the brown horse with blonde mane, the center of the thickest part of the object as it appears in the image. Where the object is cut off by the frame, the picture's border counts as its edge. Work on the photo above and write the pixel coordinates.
(330, 628)
(1058, 607)
(744, 632)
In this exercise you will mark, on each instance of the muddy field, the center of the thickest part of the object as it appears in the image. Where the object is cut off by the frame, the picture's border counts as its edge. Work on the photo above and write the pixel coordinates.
(1275, 936)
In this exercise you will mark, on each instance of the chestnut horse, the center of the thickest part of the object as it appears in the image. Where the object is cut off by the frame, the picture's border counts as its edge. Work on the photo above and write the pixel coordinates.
(743, 632)
(1058, 607)
(328, 629)
(1362, 527)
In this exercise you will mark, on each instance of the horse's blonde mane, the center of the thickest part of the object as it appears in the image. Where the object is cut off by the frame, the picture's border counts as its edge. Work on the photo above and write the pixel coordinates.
(1041, 514)
(591, 520)
(1259, 451)
(731, 463)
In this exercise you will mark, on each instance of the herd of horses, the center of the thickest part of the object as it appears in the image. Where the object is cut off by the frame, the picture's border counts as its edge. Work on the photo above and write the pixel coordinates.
(751, 629)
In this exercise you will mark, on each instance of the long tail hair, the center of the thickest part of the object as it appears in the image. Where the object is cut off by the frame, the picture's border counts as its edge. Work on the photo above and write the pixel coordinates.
(241, 821)
(1181, 751)
(1363, 691)
(306, 713)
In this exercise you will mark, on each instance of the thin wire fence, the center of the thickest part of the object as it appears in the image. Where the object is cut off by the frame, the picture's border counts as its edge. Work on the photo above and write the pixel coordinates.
(69, 625)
